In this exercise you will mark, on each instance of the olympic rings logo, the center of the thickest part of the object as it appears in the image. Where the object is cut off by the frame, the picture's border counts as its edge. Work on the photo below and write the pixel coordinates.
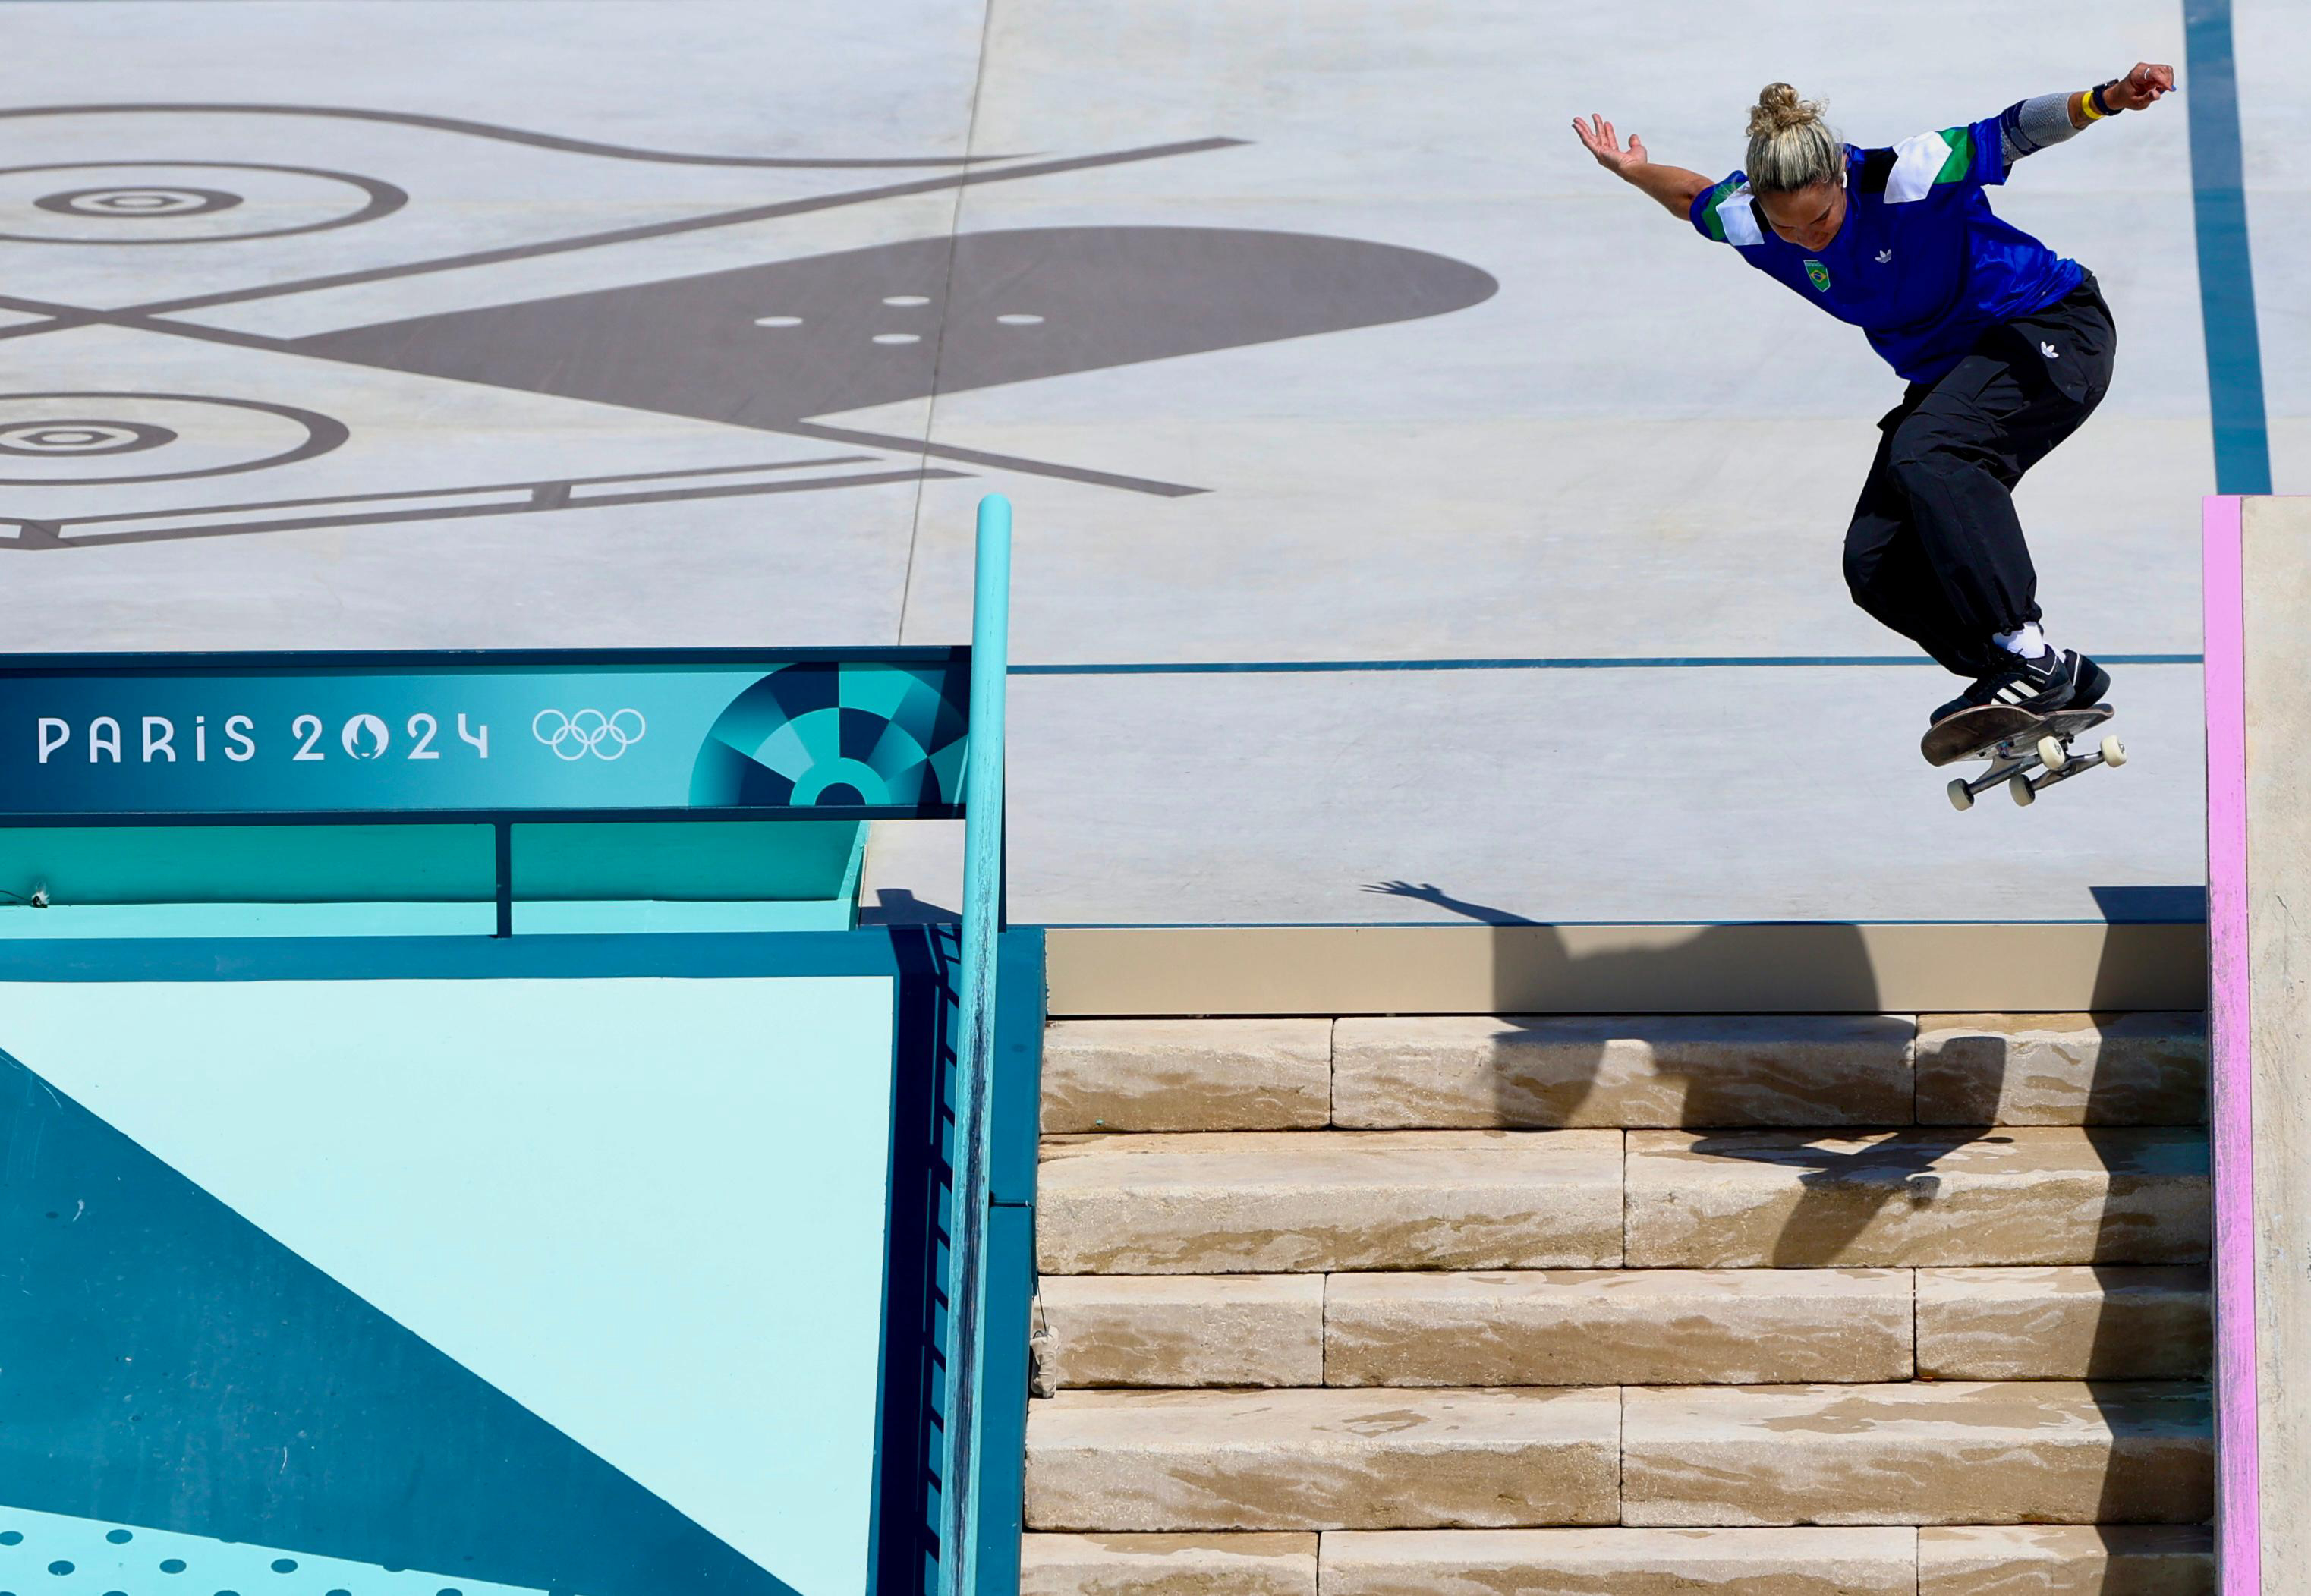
(588, 731)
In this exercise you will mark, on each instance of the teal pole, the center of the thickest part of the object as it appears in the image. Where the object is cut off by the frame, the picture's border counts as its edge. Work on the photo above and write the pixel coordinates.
(983, 890)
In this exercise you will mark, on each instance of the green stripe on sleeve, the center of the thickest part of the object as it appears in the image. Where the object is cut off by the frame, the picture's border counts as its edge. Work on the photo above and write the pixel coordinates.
(1960, 161)
(1709, 217)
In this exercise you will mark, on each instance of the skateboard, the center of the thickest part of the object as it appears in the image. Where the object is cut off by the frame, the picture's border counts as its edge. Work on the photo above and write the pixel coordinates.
(2016, 742)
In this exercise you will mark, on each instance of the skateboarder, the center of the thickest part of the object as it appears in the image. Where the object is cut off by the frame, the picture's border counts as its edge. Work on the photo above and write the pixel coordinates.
(2006, 346)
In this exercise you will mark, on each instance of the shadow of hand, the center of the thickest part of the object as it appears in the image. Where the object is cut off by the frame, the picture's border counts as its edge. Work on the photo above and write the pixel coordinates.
(1428, 892)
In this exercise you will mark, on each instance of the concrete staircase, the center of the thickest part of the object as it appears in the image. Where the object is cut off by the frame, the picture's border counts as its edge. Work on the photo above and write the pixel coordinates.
(1790, 1306)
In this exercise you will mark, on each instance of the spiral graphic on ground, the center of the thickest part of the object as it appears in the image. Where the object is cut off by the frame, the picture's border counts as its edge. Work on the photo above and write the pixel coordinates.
(102, 438)
(137, 203)
(76, 437)
(183, 202)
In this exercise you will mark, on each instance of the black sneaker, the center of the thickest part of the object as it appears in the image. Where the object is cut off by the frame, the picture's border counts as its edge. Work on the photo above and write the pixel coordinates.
(2051, 681)
(2090, 683)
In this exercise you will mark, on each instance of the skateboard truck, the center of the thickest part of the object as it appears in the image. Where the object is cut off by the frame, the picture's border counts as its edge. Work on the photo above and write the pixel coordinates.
(2054, 754)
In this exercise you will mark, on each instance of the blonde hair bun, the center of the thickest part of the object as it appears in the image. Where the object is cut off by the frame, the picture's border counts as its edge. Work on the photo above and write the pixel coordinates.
(1790, 147)
(1779, 108)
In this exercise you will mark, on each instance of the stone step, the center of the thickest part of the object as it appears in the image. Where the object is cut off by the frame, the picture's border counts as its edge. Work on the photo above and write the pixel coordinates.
(1971, 1452)
(1879, 1562)
(1323, 1459)
(1187, 1075)
(1626, 1327)
(1167, 1565)
(2061, 1069)
(2034, 1195)
(2115, 1323)
(1973, 1560)
(1182, 1330)
(2067, 1560)
(1551, 1071)
(1265, 1202)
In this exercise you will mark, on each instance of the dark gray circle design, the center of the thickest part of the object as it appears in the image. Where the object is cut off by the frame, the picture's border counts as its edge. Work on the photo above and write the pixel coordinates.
(366, 199)
(48, 440)
(137, 203)
(307, 434)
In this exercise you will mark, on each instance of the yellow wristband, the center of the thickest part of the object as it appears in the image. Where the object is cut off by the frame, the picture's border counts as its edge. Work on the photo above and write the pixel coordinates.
(2087, 104)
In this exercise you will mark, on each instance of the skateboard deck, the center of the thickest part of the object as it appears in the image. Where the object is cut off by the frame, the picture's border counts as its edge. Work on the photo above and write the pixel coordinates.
(2017, 742)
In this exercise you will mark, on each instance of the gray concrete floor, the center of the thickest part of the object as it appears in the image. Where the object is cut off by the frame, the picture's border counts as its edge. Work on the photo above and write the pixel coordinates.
(1445, 391)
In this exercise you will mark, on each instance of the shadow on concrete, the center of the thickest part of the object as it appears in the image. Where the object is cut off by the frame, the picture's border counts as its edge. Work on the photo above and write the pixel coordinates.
(1844, 1190)
(896, 906)
(1845, 969)
(2115, 1348)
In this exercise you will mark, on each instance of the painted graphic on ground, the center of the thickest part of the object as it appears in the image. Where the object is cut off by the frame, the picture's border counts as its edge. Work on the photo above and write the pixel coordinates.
(278, 282)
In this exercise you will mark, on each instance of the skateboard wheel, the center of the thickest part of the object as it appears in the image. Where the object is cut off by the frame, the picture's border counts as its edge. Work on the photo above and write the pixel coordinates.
(1961, 795)
(2023, 793)
(2113, 752)
(2052, 754)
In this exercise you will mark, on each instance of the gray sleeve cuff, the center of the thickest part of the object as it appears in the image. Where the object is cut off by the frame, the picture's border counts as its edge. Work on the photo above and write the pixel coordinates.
(2030, 125)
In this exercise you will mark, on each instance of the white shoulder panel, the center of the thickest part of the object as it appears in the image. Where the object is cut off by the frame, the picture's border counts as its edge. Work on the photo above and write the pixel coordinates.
(1916, 163)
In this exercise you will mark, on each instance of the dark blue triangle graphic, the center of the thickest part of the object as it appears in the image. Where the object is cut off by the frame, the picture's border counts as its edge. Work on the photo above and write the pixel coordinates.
(165, 1362)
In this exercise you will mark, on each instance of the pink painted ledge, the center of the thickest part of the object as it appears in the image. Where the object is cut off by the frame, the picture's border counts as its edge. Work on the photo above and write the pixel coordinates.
(2238, 1540)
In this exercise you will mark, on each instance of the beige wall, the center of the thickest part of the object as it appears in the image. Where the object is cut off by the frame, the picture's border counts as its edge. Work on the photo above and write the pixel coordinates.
(2276, 563)
(1765, 969)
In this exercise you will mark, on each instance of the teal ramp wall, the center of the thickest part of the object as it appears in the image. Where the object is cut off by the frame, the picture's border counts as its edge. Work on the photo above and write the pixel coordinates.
(413, 1266)
(427, 880)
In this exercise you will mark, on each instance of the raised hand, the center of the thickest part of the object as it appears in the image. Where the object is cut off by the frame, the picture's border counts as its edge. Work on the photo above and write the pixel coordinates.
(1673, 186)
(2140, 88)
(1597, 135)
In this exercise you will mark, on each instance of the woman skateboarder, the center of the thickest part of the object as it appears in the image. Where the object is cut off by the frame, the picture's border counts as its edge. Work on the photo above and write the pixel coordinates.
(2006, 346)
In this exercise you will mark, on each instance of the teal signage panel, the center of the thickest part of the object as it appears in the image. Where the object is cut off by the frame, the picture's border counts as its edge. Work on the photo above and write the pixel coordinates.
(857, 734)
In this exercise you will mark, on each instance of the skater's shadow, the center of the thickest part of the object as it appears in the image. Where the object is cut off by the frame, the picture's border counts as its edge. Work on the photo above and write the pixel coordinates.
(1535, 956)
(1428, 892)
(898, 906)
(1852, 1174)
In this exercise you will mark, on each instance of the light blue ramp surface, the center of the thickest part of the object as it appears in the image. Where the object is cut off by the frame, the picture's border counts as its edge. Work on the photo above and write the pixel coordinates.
(570, 1285)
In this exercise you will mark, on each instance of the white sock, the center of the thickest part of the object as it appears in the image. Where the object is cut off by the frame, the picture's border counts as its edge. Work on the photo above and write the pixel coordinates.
(2029, 642)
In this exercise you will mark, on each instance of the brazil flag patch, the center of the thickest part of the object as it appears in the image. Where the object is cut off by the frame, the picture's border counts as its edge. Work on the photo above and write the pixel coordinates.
(1817, 275)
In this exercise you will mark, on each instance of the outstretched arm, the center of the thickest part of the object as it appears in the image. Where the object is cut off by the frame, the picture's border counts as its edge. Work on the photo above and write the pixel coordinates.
(1674, 186)
(2030, 125)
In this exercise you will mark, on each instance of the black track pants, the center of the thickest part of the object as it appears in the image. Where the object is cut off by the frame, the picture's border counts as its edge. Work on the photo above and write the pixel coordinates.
(1935, 550)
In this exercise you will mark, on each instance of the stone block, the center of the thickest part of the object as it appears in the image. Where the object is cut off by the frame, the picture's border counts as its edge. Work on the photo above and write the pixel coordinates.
(1556, 1071)
(2062, 1069)
(1271, 1202)
(2114, 1323)
(1804, 1562)
(2040, 1195)
(2067, 1560)
(1323, 1459)
(1182, 1330)
(1972, 1452)
(1187, 1075)
(1167, 1565)
(1619, 1327)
